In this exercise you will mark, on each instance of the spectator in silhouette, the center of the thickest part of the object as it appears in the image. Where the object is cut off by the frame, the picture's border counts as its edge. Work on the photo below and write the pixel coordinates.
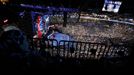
(13, 43)
(13, 46)
(14, 49)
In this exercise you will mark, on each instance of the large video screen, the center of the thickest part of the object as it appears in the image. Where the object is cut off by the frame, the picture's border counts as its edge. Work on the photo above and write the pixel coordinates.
(111, 6)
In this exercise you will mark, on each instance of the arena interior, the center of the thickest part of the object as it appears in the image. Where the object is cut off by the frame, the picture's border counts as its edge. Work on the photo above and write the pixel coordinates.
(69, 36)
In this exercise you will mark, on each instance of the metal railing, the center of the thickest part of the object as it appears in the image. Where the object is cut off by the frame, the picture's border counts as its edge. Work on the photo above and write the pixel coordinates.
(87, 50)
(79, 50)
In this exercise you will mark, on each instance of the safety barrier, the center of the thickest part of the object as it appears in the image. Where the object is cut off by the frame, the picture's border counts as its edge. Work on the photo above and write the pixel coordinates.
(79, 50)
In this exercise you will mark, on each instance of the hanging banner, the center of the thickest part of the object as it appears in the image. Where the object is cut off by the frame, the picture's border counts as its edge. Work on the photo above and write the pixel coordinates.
(40, 23)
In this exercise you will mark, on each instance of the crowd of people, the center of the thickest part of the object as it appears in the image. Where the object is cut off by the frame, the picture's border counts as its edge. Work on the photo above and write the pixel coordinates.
(119, 17)
(100, 31)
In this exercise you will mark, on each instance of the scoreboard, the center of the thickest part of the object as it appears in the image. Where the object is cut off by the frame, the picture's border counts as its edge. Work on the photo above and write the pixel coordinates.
(111, 6)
